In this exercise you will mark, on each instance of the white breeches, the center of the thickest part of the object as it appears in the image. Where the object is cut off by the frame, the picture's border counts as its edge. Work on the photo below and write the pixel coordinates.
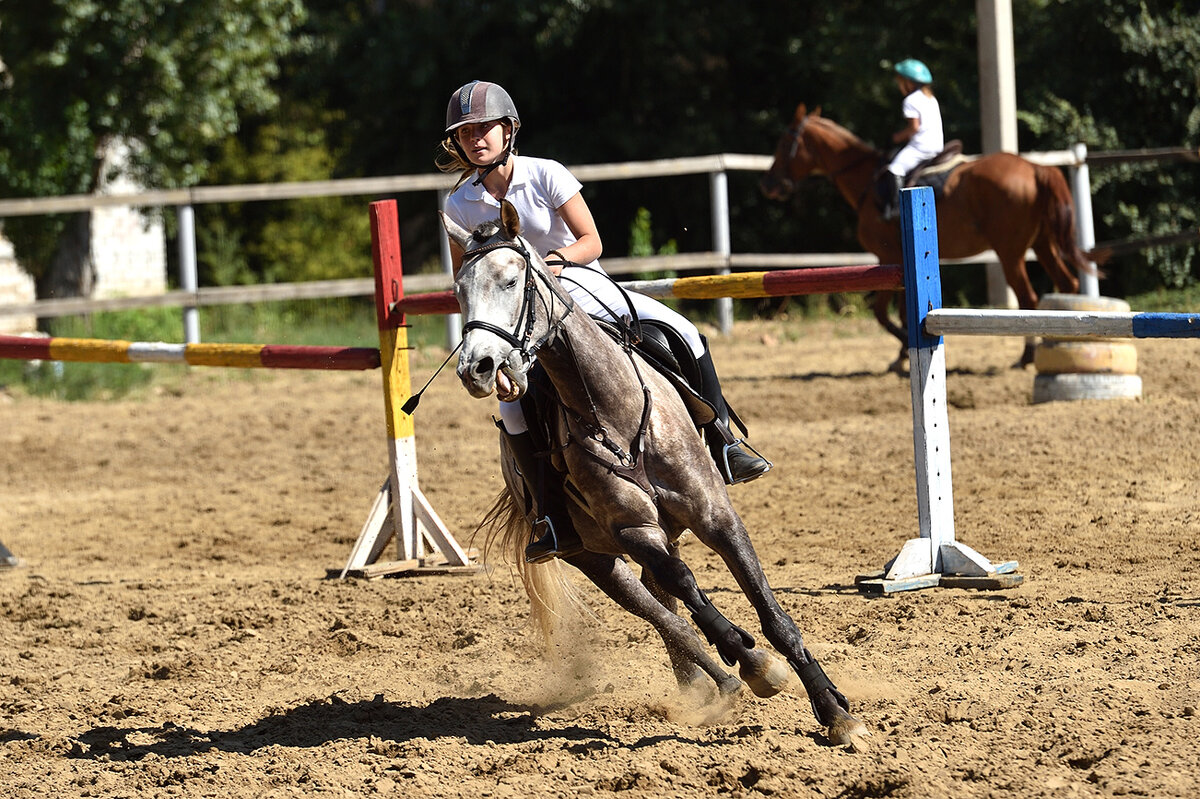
(907, 159)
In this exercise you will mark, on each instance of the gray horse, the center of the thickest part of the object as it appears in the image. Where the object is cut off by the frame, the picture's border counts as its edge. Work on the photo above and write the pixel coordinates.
(637, 473)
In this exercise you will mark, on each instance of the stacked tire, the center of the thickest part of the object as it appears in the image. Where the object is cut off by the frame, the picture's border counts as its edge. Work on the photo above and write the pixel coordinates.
(1084, 368)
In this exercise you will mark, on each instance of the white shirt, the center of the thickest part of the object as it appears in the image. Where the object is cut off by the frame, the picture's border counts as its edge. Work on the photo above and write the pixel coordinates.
(928, 139)
(539, 187)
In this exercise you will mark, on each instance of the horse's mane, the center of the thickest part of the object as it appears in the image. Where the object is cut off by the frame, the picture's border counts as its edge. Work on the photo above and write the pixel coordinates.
(841, 132)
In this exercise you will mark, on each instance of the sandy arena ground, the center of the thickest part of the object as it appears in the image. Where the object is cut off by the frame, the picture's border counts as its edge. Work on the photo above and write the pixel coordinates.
(173, 634)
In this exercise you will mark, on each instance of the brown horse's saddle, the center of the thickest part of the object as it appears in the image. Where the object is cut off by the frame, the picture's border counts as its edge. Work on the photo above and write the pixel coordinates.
(940, 165)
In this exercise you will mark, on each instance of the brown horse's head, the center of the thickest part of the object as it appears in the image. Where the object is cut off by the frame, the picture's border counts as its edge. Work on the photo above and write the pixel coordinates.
(794, 161)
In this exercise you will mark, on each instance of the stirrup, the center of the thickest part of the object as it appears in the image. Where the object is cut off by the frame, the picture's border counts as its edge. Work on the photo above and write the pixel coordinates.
(547, 547)
(727, 471)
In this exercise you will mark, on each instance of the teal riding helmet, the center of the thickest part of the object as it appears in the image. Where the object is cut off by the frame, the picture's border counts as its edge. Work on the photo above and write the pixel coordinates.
(914, 70)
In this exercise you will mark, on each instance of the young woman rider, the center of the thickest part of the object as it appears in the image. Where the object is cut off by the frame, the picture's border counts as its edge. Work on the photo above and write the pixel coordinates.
(481, 127)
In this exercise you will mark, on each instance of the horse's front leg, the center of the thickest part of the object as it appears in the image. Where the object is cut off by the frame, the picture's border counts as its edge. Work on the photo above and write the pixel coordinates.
(881, 305)
(689, 661)
(765, 674)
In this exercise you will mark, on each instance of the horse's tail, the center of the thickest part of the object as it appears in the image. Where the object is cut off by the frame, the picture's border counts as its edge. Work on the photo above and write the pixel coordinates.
(553, 600)
(1058, 210)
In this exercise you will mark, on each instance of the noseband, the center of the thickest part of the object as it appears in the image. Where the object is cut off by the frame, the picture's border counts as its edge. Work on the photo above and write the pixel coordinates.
(523, 332)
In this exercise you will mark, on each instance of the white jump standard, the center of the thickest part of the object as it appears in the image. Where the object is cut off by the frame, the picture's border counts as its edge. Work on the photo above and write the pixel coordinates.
(935, 558)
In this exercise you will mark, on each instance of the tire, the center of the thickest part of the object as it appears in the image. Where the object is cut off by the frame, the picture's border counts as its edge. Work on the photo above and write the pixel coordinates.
(1071, 387)
(1055, 356)
(1079, 302)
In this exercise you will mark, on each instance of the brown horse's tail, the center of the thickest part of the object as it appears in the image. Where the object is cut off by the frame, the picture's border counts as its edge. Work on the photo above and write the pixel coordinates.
(1057, 209)
(554, 604)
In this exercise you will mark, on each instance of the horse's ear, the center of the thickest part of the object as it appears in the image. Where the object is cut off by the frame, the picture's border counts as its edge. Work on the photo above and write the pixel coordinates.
(801, 111)
(510, 222)
(457, 234)
(817, 111)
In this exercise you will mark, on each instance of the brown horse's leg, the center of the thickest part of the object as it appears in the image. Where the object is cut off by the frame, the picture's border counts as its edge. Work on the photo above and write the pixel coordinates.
(1017, 277)
(881, 304)
(689, 661)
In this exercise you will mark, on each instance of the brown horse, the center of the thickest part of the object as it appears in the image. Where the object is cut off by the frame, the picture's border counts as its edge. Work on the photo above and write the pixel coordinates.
(999, 201)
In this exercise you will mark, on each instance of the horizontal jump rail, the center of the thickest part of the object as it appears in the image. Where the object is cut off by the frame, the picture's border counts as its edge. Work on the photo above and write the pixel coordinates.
(1073, 324)
(744, 285)
(241, 356)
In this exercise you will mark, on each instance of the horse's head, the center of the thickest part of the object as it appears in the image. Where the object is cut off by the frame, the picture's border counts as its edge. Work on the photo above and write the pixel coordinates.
(794, 160)
(510, 302)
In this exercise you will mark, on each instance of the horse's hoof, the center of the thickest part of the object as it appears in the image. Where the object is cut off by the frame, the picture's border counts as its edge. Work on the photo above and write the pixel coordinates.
(729, 688)
(766, 674)
(845, 730)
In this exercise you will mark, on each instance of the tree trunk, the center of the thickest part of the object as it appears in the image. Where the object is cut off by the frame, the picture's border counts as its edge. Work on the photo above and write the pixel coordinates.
(71, 272)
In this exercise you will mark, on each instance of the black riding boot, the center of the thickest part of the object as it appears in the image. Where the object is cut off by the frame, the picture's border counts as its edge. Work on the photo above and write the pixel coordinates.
(891, 205)
(735, 464)
(559, 537)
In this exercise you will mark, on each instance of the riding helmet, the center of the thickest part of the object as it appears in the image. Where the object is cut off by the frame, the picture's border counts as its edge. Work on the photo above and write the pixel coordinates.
(914, 70)
(480, 101)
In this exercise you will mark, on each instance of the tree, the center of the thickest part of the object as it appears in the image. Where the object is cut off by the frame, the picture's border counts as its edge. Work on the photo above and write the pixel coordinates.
(166, 79)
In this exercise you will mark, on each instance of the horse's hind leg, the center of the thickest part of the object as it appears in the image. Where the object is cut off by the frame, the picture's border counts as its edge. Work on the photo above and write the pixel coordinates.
(689, 661)
(831, 708)
(765, 674)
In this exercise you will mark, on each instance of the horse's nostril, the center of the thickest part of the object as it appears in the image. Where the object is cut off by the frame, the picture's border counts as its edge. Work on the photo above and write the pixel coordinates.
(484, 367)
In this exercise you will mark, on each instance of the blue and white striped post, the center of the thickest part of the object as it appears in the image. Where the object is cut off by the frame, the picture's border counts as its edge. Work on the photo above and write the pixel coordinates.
(924, 562)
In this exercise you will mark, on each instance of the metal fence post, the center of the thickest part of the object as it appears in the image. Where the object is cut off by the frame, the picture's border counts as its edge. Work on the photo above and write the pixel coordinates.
(719, 189)
(1085, 231)
(187, 271)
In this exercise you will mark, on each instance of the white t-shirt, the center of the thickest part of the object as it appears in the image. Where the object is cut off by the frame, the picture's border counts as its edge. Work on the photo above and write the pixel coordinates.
(539, 187)
(928, 139)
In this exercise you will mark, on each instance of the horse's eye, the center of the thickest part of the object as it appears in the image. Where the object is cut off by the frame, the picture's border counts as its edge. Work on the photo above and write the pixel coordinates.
(512, 284)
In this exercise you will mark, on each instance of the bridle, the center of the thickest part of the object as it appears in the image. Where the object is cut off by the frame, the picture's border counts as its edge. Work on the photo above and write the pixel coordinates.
(521, 334)
(797, 131)
(629, 465)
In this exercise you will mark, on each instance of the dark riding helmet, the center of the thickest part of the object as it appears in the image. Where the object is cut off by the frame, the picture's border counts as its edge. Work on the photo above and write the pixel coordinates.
(480, 101)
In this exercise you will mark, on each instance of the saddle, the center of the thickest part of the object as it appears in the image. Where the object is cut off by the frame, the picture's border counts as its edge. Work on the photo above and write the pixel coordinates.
(950, 157)
(932, 172)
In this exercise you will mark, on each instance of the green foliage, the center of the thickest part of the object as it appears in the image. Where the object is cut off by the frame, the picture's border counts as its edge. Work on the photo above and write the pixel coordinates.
(166, 78)
(641, 238)
(191, 85)
(305, 239)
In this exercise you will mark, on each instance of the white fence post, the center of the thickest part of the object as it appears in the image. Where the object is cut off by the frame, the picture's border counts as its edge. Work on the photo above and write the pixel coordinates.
(1085, 231)
(187, 271)
(719, 189)
(453, 320)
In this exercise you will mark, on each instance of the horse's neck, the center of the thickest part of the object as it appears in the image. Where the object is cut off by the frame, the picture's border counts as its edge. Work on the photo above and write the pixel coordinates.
(590, 371)
(850, 163)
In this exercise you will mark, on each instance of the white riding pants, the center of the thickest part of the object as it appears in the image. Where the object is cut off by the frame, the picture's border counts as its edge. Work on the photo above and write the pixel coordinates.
(907, 159)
